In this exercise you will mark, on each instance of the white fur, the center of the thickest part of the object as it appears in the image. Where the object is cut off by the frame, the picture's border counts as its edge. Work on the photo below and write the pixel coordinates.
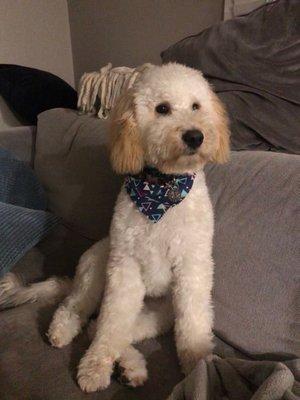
(171, 258)
(14, 293)
(145, 259)
(170, 261)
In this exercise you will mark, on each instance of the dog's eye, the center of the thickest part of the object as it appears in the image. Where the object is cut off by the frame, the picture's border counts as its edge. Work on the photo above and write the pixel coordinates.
(195, 106)
(163, 108)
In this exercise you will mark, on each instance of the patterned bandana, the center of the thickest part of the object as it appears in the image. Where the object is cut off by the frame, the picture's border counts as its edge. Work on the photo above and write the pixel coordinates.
(154, 192)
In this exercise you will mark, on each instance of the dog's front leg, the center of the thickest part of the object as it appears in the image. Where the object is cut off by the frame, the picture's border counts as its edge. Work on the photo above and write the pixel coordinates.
(123, 300)
(193, 310)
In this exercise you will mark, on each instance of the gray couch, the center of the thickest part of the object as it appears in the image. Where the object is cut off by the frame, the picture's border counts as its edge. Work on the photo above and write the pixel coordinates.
(255, 253)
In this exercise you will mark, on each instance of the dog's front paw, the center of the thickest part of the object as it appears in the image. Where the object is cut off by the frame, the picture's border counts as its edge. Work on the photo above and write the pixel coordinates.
(132, 368)
(64, 327)
(94, 373)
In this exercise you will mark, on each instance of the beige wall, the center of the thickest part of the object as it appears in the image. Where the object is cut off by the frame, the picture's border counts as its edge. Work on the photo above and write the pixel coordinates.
(36, 33)
(131, 32)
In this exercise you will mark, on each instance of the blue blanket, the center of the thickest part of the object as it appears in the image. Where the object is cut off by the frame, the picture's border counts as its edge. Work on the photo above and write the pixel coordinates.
(23, 219)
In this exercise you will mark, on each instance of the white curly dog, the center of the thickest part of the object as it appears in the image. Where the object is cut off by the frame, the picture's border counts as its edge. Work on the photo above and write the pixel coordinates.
(151, 274)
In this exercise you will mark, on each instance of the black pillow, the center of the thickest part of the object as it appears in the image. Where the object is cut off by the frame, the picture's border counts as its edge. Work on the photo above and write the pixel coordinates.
(30, 91)
(253, 63)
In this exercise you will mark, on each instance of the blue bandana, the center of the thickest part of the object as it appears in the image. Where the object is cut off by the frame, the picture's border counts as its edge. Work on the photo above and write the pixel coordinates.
(154, 192)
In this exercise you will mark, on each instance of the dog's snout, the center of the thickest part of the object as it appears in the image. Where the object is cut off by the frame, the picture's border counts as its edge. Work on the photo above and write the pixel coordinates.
(193, 138)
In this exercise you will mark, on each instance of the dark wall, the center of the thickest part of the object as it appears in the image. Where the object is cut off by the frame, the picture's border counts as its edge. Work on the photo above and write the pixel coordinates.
(131, 32)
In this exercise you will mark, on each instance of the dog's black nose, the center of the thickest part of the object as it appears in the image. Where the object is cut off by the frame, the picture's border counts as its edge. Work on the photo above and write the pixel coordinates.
(193, 138)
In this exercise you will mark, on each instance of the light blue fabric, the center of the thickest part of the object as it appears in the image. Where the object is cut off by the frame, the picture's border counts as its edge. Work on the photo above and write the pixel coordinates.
(23, 219)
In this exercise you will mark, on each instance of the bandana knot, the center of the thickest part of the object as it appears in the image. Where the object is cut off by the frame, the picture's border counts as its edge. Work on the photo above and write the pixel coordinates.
(154, 192)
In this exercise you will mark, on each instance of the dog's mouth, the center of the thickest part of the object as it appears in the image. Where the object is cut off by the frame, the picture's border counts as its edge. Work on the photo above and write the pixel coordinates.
(186, 162)
(190, 152)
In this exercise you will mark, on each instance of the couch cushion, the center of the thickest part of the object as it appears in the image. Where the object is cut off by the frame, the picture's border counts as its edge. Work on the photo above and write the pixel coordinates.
(20, 141)
(7, 117)
(256, 251)
(72, 164)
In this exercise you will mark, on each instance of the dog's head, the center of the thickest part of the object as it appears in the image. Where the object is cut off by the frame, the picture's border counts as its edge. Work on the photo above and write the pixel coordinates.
(170, 119)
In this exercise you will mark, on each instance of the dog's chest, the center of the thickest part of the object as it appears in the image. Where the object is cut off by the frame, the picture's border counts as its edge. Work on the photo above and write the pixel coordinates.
(158, 247)
(156, 266)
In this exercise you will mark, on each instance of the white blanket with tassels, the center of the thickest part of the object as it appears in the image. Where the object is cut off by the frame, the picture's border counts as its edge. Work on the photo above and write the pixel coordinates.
(104, 87)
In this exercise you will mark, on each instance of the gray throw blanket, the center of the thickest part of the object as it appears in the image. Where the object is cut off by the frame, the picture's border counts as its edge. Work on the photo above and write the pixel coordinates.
(238, 379)
(253, 62)
(23, 219)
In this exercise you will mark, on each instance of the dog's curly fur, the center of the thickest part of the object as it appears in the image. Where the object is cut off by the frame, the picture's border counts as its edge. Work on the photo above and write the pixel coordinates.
(169, 262)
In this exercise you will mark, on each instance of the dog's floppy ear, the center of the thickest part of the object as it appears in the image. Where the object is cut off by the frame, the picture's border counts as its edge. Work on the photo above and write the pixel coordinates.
(126, 152)
(222, 152)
